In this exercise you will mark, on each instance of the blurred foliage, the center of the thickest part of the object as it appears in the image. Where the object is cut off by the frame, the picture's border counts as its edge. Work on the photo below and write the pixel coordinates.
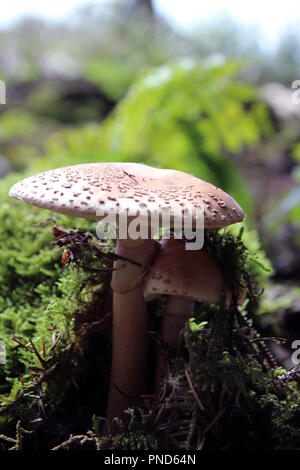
(280, 225)
(192, 117)
(17, 123)
(188, 116)
(287, 210)
(118, 33)
(294, 196)
(69, 102)
(22, 135)
(113, 76)
(112, 41)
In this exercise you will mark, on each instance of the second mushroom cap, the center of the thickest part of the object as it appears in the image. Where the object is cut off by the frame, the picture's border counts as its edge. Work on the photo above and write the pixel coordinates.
(179, 272)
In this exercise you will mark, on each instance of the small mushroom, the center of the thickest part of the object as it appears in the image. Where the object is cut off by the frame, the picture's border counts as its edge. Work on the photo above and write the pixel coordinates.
(127, 189)
(184, 276)
(190, 275)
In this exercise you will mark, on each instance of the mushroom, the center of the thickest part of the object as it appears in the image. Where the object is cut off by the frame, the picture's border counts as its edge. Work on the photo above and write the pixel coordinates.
(184, 276)
(128, 190)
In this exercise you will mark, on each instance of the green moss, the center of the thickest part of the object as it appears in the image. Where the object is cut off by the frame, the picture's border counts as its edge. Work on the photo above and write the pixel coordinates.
(38, 296)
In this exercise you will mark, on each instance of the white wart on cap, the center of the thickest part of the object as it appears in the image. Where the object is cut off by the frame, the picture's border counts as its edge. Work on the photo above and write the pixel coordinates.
(82, 190)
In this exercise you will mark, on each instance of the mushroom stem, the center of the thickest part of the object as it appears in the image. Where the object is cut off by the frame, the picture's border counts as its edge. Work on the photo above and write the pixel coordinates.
(130, 324)
(177, 311)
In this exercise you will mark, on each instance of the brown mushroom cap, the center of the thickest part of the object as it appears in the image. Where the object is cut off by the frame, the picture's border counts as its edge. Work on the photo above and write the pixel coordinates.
(179, 272)
(81, 190)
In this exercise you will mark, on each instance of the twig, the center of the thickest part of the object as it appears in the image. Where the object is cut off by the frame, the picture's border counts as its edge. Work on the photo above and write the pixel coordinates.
(41, 360)
(44, 377)
(21, 344)
(271, 338)
(18, 441)
(216, 418)
(193, 390)
(82, 438)
(290, 375)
